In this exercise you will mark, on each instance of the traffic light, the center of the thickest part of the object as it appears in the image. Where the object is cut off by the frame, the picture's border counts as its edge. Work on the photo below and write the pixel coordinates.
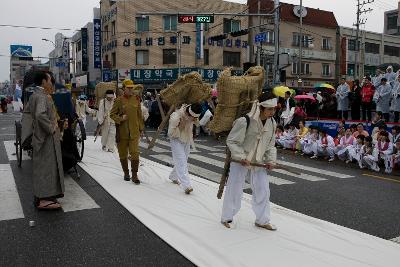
(219, 37)
(240, 33)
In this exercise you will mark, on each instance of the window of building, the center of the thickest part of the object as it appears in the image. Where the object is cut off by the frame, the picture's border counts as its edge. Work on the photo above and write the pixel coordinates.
(326, 70)
(392, 51)
(350, 69)
(170, 23)
(392, 22)
(231, 25)
(142, 24)
(306, 40)
(206, 26)
(113, 59)
(372, 48)
(78, 46)
(351, 44)
(142, 57)
(206, 57)
(105, 33)
(270, 37)
(169, 56)
(326, 43)
(231, 59)
(113, 28)
(305, 68)
(106, 58)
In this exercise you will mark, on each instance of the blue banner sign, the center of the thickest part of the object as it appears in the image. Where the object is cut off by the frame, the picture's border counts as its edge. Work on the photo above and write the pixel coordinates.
(97, 43)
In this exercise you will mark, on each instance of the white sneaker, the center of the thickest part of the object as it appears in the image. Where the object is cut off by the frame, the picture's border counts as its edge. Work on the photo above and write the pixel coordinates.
(331, 159)
(348, 161)
(314, 157)
(268, 226)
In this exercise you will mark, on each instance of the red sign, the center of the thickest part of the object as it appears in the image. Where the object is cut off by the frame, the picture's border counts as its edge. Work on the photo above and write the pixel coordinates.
(186, 19)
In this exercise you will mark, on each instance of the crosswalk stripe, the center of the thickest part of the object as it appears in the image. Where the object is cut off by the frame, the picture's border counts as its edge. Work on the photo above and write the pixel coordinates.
(219, 155)
(211, 149)
(75, 198)
(278, 181)
(210, 161)
(10, 149)
(10, 204)
(303, 176)
(192, 168)
(316, 170)
(154, 149)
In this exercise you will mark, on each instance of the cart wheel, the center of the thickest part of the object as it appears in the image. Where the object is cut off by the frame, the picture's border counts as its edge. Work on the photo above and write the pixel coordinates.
(18, 147)
(80, 137)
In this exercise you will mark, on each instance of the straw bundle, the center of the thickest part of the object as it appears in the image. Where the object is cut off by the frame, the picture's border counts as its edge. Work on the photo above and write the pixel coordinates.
(188, 89)
(235, 97)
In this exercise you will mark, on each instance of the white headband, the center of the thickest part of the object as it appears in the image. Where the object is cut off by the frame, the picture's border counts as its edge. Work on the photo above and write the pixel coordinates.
(270, 103)
(109, 95)
(194, 115)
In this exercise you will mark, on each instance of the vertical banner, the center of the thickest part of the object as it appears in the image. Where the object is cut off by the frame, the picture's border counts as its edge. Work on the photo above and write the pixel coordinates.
(199, 40)
(97, 43)
(85, 56)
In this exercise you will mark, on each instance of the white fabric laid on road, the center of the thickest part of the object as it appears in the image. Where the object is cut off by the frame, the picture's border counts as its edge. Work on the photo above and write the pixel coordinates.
(191, 223)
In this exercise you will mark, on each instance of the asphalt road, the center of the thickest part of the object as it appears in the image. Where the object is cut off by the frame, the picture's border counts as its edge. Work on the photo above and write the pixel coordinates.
(109, 235)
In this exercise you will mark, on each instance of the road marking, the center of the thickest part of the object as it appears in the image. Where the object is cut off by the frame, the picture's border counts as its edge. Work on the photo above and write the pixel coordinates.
(397, 239)
(10, 204)
(210, 161)
(75, 198)
(278, 181)
(303, 176)
(381, 178)
(211, 149)
(219, 155)
(316, 170)
(10, 149)
(154, 149)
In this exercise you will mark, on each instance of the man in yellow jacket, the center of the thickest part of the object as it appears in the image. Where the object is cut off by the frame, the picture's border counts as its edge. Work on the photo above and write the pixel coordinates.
(127, 115)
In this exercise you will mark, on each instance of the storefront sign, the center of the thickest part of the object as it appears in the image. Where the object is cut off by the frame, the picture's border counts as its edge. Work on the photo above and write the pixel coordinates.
(85, 55)
(110, 75)
(110, 46)
(97, 43)
(170, 75)
(109, 15)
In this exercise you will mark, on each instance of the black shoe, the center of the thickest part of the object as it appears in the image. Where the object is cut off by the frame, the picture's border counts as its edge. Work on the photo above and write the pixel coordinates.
(127, 178)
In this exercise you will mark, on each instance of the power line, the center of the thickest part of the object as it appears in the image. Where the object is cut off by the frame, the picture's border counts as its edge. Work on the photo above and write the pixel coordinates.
(36, 27)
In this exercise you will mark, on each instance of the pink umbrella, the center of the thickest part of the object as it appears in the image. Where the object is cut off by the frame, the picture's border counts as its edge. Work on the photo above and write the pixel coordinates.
(304, 97)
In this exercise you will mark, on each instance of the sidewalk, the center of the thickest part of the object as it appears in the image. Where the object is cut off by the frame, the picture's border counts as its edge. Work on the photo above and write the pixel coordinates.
(191, 225)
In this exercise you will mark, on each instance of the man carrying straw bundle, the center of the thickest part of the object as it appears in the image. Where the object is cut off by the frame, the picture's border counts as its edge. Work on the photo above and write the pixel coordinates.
(252, 141)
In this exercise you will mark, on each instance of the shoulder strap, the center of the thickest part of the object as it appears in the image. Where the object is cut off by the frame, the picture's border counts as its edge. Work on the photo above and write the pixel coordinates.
(247, 121)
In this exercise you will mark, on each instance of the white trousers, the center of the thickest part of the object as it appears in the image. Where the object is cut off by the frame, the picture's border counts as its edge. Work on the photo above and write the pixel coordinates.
(371, 162)
(180, 155)
(234, 192)
(324, 151)
(108, 132)
(310, 147)
(342, 153)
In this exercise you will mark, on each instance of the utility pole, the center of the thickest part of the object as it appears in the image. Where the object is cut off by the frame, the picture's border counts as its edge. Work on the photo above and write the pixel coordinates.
(359, 22)
(258, 46)
(276, 40)
(179, 51)
(300, 81)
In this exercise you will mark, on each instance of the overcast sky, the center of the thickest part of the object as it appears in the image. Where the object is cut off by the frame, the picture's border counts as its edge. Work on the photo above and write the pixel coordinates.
(74, 14)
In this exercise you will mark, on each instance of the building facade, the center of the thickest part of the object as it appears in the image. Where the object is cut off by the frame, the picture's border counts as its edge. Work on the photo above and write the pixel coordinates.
(59, 58)
(392, 22)
(146, 47)
(84, 74)
(319, 52)
(375, 49)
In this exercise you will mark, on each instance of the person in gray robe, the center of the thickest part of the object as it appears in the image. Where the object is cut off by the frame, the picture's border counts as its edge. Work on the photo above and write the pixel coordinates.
(396, 99)
(390, 76)
(342, 96)
(382, 97)
(48, 174)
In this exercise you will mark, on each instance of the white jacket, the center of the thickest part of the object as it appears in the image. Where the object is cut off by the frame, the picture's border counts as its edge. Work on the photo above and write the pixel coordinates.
(256, 143)
(181, 126)
(103, 115)
(81, 108)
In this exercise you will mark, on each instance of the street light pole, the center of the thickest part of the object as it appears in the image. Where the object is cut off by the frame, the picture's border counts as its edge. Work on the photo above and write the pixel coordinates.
(301, 44)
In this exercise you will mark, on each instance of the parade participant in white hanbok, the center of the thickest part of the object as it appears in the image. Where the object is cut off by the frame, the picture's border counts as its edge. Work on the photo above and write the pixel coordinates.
(354, 152)
(180, 132)
(82, 108)
(390, 75)
(395, 134)
(108, 130)
(325, 146)
(309, 143)
(384, 146)
(396, 99)
(382, 97)
(393, 159)
(289, 141)
(342, 96)
(369, 155)
(252, 144)
(346, 142)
